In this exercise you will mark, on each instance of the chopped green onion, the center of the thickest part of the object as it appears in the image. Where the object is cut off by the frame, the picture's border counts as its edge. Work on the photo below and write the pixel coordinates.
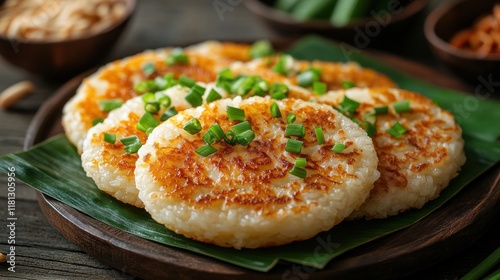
(245, 138)
(225, 74)
(149, 130)
(177, 56)
(148, 97)
(242, 85)
(152, 107)
(146, 121)
(402, 106)
(301, 162)
(224, 78)
(284, 64)
(145, 86)
(213, 95)
(293, 146)
(370, 117)
(275, 110)
(194, 98)
(161, 83)
(132, 144)
(338, 147)
(168, 114)
(260, 87)
(349, 105)
(320, 137)
(298, 171)
(110, 137)
(198, 89)
(396, 130)
(308, 77)
(348, 84)
(209, 137)
(291, 118)
(381, 110)
(295, 130)
(165, 101)
(217, 131)
(148, 68)
(241, 127)
(369, 127)
(205, 150)
(279, 87)
(235, 114)
(186, 81)
(261, 48)
(193, 126)
(319, 88)
(229, 137)
(110, 104)
(96, 121)
(278, 95)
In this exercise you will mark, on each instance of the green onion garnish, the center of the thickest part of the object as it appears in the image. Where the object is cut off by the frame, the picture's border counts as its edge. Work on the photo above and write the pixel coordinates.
(149, 130)
(402, 106)
(145, 86)
(110, 137)
(148, 96)
(293, 146)
(299, 172)
(205, 150)
(291, 118)
(224, 78)
(295, 130)
(305, 78)
(275, 110)
(186, 81)
(165, 101)
(396, 130)
(235, 114)
(110, 104)
(284, 64)
(198, 89)
(245, 137)
(261, 48)
(193, 126)
(242, 85)
(277, 87)
(152, 107)
(217, 131)
(209, 137)
(177, 56)
(319, 88)
(225, 74)
(241, 127)
(349, 105)
(301, 162)
(381, 110)
(348, 84)
(229, 137)
(369, 127)
(168, 114)
(194, 98)
(148, 68)
(213, 95)
(338, 147)
(370, 117)
(260, 87)
(96, 121)
(161, 83)
(147, 120)
(278, 95)
(320, 137)
(132, 144)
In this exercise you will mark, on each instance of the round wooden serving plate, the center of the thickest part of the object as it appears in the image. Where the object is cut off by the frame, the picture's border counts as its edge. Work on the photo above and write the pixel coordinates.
(440, 235)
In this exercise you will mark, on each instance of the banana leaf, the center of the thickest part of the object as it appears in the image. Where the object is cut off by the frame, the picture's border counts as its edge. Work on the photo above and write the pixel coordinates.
(53, 167)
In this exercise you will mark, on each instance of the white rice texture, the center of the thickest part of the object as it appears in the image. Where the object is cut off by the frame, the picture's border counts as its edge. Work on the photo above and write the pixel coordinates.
(245, 197)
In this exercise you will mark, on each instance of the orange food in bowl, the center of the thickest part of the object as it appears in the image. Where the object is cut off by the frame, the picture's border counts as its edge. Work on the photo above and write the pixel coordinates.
(483, 37)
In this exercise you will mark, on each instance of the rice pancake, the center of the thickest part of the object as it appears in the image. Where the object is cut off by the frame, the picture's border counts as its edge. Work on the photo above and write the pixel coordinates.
(414, 166)
(336, 75)
(245, 196)
(111, 168)
(117, 80)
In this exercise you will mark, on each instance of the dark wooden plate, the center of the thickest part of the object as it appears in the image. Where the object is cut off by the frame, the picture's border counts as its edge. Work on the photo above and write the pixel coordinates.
(442, 234)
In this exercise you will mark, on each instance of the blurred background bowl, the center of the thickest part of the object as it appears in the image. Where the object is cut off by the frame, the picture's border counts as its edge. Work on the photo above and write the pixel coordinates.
(64, 58)
(377, 27)
(448, 19)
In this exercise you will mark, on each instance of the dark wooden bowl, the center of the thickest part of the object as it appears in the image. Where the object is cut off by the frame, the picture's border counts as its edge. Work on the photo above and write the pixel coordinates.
(448, 19)
(60, 59)
(357, 32)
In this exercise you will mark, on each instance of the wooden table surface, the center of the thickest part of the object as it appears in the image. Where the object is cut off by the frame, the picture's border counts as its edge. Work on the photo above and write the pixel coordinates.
(42, 253)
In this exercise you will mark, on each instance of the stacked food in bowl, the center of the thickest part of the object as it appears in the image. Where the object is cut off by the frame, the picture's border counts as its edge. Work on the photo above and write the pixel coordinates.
(243, 147)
